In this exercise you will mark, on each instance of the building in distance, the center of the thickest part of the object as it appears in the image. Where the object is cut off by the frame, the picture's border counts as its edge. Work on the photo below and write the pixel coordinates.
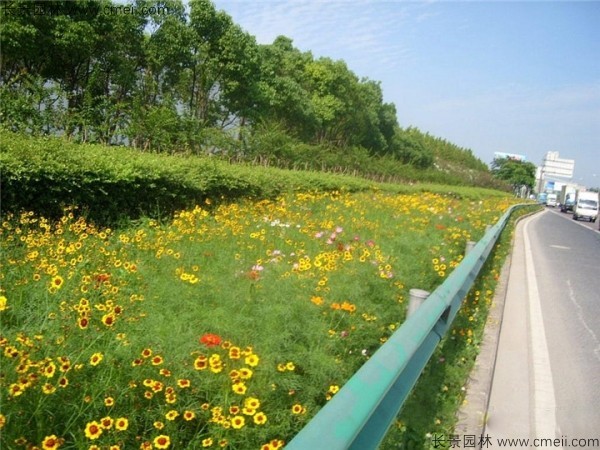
(554, 166)
(554, 173)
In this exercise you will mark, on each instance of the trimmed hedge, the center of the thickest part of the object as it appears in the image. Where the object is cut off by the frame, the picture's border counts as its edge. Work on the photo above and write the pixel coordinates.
(110, 184)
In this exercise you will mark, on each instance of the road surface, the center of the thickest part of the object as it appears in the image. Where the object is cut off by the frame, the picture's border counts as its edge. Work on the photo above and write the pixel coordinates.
(546, 382)
(567, 260)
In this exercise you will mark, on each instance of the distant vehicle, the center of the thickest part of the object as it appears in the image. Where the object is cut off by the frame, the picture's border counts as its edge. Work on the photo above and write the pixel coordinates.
(568, 205)
(541, 198)
(566, 192)
(586, 206)
(551, 200)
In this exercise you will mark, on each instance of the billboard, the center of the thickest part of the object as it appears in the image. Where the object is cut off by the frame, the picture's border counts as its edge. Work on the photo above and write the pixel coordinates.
(513, 156)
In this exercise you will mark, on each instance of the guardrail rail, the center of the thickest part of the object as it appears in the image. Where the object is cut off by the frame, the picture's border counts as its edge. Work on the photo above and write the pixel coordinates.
(360, 414)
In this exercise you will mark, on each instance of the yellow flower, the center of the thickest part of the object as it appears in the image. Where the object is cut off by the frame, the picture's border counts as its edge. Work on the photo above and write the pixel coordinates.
(317, 300)
(239, 388)
(3, 302)
(252, 403)
(93, 430)
(96, 358)
(15, 390)
(57, 282)
(189, 415)
(106, 422)
(121, 424)
(162, 441)
(238, 422)
(297, 409)
(50, 443)
(245, 373)
(252, 360)
(172, 415)
(49, 369)
(260, 418)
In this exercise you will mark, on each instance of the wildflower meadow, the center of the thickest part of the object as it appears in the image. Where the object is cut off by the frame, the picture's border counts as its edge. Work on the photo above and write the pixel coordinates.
(227, 326)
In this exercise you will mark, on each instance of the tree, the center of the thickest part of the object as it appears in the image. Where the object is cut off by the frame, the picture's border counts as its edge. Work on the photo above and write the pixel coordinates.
(517, 173)
(283, 96)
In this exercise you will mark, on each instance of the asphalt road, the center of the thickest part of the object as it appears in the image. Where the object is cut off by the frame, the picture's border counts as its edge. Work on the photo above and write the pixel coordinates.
(566, 256)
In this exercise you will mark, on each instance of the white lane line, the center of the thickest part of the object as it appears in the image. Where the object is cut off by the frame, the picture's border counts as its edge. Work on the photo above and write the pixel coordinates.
(544, 408)
(560, 247)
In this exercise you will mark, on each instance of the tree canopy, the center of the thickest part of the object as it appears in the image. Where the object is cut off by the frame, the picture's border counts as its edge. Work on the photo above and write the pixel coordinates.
(159, 75)
(517, 173)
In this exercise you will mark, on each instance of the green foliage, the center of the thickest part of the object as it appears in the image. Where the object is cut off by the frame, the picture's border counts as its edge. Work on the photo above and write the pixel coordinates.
(517, 173)
(110, 183)
(164, 79)
(47, 174)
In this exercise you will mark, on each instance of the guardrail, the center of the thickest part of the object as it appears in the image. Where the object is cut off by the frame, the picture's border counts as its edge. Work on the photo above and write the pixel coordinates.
(359, 415)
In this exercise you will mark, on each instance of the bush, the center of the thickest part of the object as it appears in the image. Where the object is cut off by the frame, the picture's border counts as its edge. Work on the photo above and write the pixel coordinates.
(47, 174)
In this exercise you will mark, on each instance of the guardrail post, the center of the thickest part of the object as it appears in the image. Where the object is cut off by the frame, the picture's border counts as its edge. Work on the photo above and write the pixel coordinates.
(469, 247)
(416, 299)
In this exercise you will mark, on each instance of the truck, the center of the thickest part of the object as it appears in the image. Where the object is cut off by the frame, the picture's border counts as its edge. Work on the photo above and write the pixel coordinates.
(586, 205)
(541, 198)
(551, 199)
(568, 203)
(566, 192)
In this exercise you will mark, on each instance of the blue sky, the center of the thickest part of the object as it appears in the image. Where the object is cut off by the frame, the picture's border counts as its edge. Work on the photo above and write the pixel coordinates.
(516, 77)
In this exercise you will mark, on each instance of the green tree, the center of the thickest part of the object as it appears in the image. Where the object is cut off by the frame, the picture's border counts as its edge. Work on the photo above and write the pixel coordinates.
(223, 75)
(410, 147)
(283, 98)
(519, 174)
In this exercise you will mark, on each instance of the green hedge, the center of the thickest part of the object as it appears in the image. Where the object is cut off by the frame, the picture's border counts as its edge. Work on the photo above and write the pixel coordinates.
(110, 184)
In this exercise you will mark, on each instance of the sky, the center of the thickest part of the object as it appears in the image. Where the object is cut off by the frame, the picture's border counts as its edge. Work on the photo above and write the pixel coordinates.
(514, 77)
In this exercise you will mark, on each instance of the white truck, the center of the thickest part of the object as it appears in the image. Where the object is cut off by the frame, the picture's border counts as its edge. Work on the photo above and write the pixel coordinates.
(586, 206)
(551, 199)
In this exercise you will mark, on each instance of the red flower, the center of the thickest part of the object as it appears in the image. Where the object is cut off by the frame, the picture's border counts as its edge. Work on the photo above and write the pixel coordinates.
(210, 340)
(102, 277)
(254, 275)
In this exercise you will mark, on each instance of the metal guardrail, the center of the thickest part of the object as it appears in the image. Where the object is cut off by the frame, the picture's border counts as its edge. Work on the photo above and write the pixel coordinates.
(359, 415)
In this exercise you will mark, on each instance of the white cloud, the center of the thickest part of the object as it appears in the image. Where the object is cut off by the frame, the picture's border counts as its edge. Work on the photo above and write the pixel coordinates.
(363, 33)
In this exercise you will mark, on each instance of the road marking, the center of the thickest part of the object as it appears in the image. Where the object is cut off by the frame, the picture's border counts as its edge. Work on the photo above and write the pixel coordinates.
(561, 247)
(544, 402)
